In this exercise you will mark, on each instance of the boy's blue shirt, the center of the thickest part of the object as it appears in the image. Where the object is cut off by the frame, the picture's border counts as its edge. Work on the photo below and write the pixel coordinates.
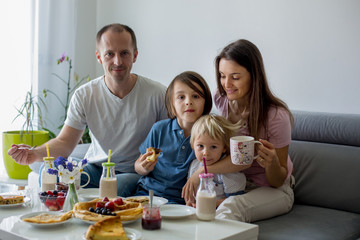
(170, 172)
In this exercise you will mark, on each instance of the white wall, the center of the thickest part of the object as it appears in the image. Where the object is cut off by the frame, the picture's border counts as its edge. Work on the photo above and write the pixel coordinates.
(311, 49)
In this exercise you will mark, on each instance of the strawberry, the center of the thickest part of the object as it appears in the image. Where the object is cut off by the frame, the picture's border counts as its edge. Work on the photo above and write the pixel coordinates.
(61, 194)
(110, 205)
(60, 201)
(105, 199)
(50, 203)
(119, 201)
(50, 193)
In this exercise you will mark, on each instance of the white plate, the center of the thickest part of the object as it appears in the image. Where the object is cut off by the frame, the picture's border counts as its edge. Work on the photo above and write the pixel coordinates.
(176, 211)
(156, 200)
(26, 200)
(33, 214)
(88, 194)
(131, 234)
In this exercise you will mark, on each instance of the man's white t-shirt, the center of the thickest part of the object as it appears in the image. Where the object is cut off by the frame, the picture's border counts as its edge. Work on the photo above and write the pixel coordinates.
(117, 124)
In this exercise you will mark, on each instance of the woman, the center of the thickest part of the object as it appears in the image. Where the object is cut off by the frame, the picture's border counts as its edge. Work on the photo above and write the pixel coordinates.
(243, 94)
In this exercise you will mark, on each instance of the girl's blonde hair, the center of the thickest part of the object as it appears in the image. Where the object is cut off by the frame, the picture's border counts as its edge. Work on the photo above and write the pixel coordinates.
(217, 127)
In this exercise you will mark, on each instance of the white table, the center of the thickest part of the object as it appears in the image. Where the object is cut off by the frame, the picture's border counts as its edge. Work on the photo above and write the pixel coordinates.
(183, 228)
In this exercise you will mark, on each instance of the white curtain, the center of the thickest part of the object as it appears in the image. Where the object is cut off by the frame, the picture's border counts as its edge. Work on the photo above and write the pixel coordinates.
(35, 34)
(15, 62)
(56, 34)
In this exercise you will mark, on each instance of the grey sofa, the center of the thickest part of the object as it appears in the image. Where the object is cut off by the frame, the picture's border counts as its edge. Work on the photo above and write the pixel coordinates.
(325, 151)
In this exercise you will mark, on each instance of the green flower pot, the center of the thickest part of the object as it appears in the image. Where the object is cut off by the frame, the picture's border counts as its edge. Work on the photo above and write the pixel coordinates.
(13, 169)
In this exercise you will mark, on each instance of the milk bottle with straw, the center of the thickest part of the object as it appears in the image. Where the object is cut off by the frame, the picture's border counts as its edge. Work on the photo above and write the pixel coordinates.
(108, 181)
(48, 181)
(206, 196)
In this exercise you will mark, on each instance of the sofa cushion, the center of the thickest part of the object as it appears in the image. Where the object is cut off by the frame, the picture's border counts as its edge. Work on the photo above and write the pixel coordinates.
(334, 128)
(80, 151)
(309, 222)
(327, 175)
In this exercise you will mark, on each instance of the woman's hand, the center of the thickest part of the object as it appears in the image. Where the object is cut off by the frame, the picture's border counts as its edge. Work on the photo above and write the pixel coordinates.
(144, 167)
(274, 160)
(267, 154)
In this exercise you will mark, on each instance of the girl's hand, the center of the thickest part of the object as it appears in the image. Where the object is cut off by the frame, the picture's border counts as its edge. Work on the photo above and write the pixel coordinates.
(267, 154)
(144, 167)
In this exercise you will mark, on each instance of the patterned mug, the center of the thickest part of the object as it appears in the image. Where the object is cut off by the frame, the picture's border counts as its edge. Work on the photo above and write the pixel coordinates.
(242, 150)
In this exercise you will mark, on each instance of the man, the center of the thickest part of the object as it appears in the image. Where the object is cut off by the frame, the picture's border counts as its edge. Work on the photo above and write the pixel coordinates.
(119, 108)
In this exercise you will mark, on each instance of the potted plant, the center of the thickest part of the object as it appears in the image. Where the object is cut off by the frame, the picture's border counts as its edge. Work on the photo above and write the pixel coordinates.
(30, 110)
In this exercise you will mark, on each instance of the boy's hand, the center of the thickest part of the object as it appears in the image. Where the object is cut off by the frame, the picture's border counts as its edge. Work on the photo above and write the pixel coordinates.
(144, 167)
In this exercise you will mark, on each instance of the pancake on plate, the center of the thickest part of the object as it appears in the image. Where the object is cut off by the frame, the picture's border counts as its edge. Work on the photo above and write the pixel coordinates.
(128, 211)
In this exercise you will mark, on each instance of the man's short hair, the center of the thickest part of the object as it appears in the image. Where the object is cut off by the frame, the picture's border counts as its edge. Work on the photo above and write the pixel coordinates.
(116, 27)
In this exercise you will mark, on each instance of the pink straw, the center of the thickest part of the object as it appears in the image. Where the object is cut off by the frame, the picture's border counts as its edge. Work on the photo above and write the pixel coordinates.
(204, 165)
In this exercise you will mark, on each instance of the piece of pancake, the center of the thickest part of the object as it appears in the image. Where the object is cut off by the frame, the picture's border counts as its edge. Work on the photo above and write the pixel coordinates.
(107, 229)
(8, 200)
(49, 218)
(155, 153)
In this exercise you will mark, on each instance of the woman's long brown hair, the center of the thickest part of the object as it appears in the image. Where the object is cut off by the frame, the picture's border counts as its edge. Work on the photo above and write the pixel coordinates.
(261, 98)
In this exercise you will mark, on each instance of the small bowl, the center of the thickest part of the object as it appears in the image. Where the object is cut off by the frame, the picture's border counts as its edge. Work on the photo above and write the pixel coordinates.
(53, 199)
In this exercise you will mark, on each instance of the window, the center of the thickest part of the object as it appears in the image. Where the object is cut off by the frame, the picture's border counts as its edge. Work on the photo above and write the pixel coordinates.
(15, 62)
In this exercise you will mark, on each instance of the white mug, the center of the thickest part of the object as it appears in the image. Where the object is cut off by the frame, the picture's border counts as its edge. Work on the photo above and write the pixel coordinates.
(78, 180)
(242, 150)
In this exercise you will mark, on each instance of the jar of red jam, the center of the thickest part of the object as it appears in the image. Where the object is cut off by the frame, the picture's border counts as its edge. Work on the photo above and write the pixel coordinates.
(151, 218)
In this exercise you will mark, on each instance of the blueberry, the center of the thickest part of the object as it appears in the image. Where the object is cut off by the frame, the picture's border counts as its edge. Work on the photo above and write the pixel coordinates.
(43, 193)
(113, 214)
(91, 209)
(103, 212)
(55, 192)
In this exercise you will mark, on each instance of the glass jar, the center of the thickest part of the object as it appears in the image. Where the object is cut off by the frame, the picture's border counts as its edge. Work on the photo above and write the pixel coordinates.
(108, 181)
(151, 218)
(206, 197)
(48, 181)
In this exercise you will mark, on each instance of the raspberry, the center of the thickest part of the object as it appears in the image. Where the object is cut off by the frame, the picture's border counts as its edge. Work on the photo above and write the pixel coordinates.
(119, 201)
(100, 205)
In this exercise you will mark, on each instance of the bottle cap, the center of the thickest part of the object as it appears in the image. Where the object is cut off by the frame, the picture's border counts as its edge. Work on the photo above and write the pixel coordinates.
(108, 164)
(206, 175)
(48, 158)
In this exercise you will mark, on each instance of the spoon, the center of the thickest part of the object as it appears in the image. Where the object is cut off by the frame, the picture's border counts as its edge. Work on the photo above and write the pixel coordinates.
(151, 195)
(32, 148)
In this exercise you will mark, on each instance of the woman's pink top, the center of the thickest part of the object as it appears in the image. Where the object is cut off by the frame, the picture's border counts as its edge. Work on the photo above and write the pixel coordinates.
(278, 133)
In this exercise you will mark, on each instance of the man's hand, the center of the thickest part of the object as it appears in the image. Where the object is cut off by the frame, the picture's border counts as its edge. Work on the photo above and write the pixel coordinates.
(23, 155)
